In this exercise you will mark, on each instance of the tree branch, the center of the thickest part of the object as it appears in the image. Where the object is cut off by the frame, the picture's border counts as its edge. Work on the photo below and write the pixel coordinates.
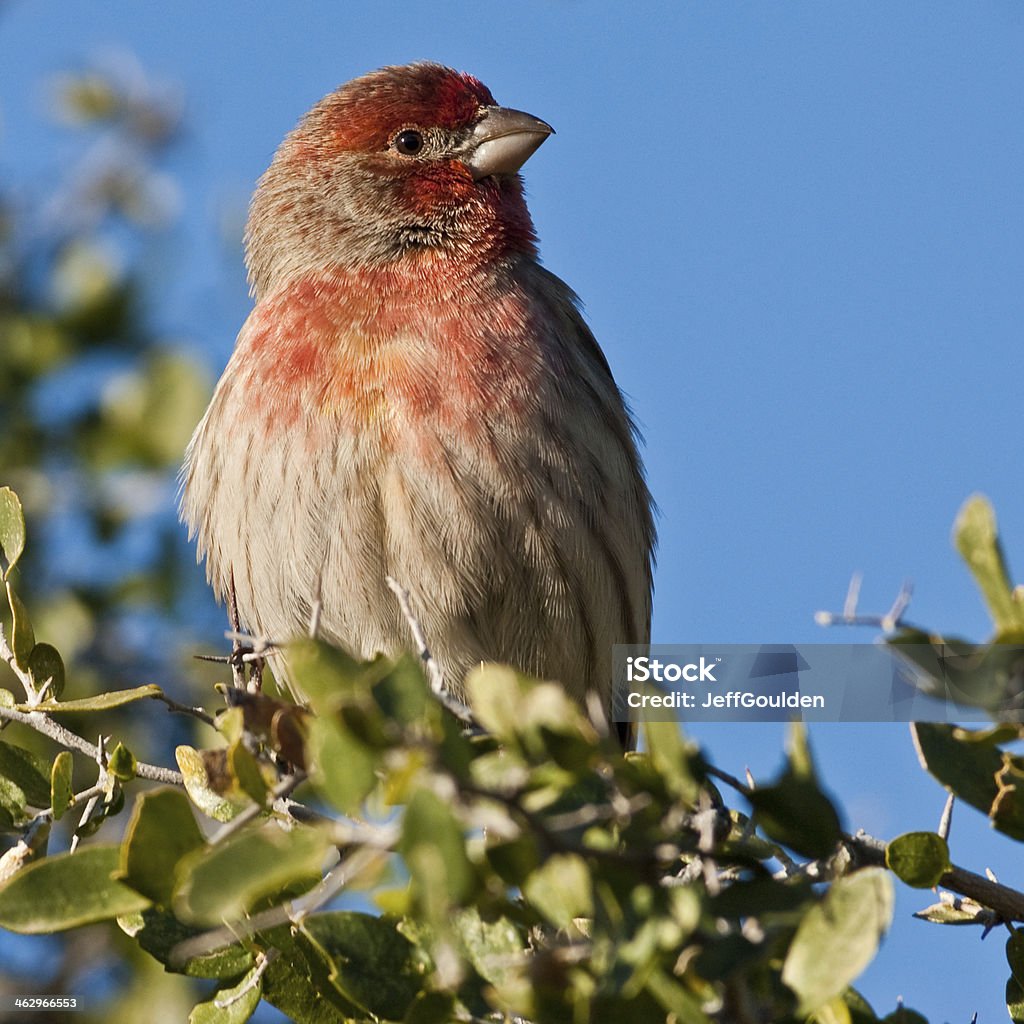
(1006, 902)
(48, 727)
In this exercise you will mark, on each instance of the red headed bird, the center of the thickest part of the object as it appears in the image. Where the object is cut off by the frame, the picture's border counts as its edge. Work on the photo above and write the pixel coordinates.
(414, 395)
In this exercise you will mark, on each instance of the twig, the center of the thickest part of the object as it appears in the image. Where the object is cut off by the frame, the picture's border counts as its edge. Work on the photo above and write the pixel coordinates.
(887, 622)
(947, 817)
(185, 709)
(24, 676)
(48, 727)
(729, 780)
(318, 607)
(77, 798)
(433, 670)
(237, 672)
(102, 783)
(431, 666)
(1006, 902)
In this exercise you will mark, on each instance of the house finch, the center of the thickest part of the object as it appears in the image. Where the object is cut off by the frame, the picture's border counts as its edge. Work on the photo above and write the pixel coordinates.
(414, 395)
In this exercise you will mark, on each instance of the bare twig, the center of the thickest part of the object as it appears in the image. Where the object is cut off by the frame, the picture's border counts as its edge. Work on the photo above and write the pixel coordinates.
(318, 606)
(947, 817)
(185, 709)
(237, 671)
(433, 670)
(431, 666)
(887, 622)
(48, 727)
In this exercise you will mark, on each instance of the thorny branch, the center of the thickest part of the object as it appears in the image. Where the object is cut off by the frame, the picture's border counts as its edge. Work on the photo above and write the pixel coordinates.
(1007, 903)
(56, 732)
(888, 622)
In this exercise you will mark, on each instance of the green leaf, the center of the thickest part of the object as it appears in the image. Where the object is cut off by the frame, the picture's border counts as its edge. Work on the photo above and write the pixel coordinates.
(61, 784)
(162, 830)
(523, 712)
(100, 702)
(12, 528)
(197, 785)
(494, 948)
(223, 882)
(434, 848)
(1015, 1000)
(65, 891)
(432, 1008)
(29, 771)
(859, 1008)
(160, 934)
(835, 1011)
(794, 811)
(241, 1000)
(298, 983)
(326, 674)
(45, 663)
(918, 858)
(838, 937)
(343, 768)
(904, 1015)
(121, 763)
(246, 770)
(561, 889)
(978, 773)
(373, 966)
(12, 806)
(671, 758)
(23, 638)
(977, 540)
(797, 814)
(761, 896)
(1015, 954)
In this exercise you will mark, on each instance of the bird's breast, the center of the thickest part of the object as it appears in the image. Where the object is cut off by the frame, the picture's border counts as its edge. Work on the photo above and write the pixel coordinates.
(407, 360)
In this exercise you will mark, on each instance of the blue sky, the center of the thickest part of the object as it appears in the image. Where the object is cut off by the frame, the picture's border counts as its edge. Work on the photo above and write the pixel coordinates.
(798, 231)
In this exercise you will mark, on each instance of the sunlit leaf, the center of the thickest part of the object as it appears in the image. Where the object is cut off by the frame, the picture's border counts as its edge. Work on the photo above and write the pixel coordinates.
(223, 882)
(61, 784)
(230, 1004)
(23, 637)
(12, 528)
(161, 831)
(65, 891)
(838, 938)
(561, 889)
(99, 702)
(197, 785)
(977, 540)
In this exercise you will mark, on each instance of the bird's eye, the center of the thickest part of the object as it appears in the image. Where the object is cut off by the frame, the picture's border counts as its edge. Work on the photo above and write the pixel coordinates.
(409, 142)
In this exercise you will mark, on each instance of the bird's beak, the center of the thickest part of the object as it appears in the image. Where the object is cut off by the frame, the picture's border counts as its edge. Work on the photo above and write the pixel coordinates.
(503, 140)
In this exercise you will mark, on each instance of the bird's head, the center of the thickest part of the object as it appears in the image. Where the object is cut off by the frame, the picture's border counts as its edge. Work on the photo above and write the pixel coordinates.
(399, 162)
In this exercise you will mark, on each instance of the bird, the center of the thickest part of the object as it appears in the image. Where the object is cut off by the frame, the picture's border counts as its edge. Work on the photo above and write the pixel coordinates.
(415, 396)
